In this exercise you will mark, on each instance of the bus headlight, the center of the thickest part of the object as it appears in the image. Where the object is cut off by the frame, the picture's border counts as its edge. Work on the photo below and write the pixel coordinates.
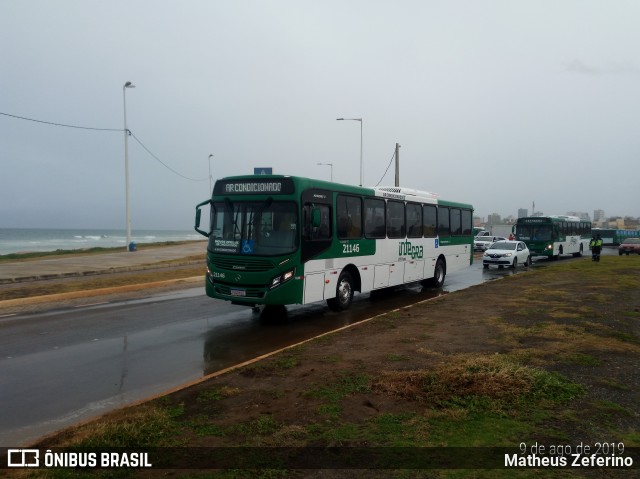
(281, 278)
(549, 246)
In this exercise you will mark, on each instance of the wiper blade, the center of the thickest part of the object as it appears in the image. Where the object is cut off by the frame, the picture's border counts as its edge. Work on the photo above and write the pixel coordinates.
(256, 214)
(229, 205)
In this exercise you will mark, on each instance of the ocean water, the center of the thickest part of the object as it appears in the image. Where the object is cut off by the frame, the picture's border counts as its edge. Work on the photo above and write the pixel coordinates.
(20, 240)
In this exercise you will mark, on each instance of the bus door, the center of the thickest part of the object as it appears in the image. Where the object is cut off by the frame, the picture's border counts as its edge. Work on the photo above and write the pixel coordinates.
(317, 214)
(317, 236)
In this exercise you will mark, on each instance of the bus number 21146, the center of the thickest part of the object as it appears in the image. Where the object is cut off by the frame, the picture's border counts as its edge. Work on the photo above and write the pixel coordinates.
(348, 248)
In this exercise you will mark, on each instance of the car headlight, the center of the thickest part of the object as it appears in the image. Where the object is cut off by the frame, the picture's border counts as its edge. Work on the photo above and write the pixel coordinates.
(281, 278)
(508, 254)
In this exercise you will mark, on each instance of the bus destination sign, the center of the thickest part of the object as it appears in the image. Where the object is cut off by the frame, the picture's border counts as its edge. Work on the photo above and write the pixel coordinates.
(254, 186)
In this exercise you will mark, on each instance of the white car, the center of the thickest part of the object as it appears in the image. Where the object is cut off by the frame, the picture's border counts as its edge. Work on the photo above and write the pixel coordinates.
(506, 253)
(481, 243)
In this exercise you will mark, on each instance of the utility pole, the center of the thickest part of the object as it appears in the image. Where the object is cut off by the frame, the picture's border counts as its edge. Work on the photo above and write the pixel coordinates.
(397, 164)
(210, 177)
(129, 245)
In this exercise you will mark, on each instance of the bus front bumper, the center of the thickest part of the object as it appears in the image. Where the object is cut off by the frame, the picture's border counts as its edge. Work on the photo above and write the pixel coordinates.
(289, 292)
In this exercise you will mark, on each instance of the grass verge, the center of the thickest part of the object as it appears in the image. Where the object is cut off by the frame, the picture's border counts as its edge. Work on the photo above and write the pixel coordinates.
(111, 280)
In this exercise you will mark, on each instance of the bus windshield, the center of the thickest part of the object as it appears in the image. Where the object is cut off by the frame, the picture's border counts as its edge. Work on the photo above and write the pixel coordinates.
(266, 228)
(534, 232)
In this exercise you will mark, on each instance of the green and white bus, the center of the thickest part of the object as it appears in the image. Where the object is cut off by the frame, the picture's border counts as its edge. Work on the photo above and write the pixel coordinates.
(279, 240)
(554, 236)
(613, 237)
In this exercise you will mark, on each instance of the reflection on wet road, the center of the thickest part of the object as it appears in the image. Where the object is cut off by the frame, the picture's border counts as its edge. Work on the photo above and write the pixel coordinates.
(65, 366)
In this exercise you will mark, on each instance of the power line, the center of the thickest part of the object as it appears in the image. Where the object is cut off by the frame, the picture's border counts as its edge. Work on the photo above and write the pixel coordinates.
(107, 129)
(385, 171)
(61, 124)
(164, 164)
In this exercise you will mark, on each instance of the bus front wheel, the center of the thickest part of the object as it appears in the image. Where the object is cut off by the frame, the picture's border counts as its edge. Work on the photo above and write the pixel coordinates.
(344, 293)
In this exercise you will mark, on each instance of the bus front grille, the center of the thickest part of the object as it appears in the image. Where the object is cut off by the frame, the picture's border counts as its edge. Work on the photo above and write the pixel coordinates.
(226, 290)
(242, 264)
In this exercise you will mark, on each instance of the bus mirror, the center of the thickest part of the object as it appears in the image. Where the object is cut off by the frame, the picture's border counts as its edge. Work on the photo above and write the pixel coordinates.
(315, 218)
(198, 218)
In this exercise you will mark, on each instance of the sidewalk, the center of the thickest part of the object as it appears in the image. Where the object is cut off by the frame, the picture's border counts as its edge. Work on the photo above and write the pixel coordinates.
(80, 265)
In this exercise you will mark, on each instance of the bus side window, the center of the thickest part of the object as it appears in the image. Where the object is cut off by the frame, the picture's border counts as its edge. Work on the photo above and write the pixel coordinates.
(456, 222)
(349, 217)
(321, 232)
(443, 221)
(325, 223)
(467, 223)
(374, 225)
(343, 226)
(395, 219)
(430, 221)
(414, 220)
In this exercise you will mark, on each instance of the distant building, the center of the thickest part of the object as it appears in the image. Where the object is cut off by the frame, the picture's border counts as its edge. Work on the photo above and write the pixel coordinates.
(494, 219)
(523, 212)
(598, 216)
(615, 222)
(582, 215)
(631, 223)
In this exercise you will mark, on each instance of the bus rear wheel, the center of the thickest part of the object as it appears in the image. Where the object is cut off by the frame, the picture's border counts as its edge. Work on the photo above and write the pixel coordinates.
(344, 293)
(439, 274)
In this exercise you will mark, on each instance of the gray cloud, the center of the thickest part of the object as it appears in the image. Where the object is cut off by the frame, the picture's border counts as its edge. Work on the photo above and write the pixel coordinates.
(470, 89)
(620, 68)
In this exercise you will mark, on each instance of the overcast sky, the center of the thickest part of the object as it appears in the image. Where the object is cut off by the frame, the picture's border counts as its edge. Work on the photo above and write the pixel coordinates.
(495, 103)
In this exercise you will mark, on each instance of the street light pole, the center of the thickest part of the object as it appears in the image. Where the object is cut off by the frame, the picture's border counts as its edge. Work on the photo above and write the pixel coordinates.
(328, 164)
(361, 163)
(126, 163)
(210, 187)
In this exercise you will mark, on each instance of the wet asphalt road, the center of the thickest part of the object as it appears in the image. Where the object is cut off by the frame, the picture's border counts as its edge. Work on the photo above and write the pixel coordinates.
(62, 367)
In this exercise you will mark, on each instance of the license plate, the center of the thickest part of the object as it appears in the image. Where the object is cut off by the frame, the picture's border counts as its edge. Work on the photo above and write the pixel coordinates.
(238, 292)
